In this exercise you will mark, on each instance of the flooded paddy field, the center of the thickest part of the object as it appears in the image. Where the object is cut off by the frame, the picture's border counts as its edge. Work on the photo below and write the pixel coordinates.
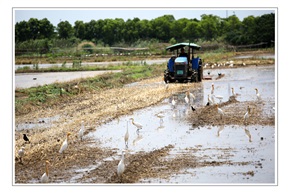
(176, 144)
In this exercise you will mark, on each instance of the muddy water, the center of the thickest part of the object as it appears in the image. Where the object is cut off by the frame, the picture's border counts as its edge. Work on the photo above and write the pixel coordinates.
(251, 149)
(26, 80)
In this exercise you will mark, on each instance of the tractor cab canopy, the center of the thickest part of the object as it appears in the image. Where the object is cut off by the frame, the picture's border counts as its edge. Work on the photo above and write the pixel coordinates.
(181, 45)
(190, 51)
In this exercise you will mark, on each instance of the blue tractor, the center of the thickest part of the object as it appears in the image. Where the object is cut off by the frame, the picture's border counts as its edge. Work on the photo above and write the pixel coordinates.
(184, 67)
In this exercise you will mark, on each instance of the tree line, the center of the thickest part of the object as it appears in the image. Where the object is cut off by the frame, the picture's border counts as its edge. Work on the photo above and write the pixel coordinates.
(230, 30)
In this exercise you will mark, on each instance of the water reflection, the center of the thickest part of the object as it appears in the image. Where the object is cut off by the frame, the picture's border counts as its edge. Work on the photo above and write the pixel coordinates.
(248, 134)
(220, 130)
(137, 139)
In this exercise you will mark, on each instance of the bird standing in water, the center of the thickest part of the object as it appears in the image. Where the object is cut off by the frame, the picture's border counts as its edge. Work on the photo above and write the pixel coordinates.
(174, 102)
(233, 92)
(187, 99)
(161, 116)
(138, 125)
(212, 88)
(65, 143)
(45, 177)
(26, 139)
(258, 94)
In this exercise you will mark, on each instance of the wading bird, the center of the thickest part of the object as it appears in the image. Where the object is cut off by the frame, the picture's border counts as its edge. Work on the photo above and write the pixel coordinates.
(258, 94)
(174, 102)
(233, 92)
(81, 131)
(160, 115)
(45, 177)
(26, 138)
(212, 88)
(247, 114)
(220, 111)
(219, 97)
(138, 125)
(121, 165)
(21, 153)
(210, 101)
(65, 143)
(187, 99)
(191, 97)
(126, 136)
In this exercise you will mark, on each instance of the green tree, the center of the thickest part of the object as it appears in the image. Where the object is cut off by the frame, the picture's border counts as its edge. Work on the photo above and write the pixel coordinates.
(265, 28)
(191, 31)
(248, 31)
(21, 31)
(65, 30)
(46, 29)
(33, 25)
(79, 29)
(210, 26)
(162, 27)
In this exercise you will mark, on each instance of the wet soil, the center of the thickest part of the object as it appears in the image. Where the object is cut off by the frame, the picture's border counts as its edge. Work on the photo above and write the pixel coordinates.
(87, 161)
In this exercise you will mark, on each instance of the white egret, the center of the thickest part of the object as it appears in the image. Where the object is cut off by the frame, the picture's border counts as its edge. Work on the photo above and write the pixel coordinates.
(160, 115)
(138, 125)
(45, 177)
(258, 94)
(247, 114)
(174, 102)
(187, 100)
(210, 102)
(121, 165)
(220, 111)
(65, 143)
(126, 136)
(233, 92)
(212, 88)
(81, 131)
(219, 97)
(192, 96)
(21, 153)
(213, 98)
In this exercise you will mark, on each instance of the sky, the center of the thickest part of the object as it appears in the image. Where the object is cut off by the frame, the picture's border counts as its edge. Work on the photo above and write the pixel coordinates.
(55, 16)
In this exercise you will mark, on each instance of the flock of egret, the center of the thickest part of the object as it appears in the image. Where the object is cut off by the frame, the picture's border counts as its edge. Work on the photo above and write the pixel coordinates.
(189, 98)
(214, 65)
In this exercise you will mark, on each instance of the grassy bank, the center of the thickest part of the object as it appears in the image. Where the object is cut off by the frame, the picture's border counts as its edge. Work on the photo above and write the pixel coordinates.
(36, 97)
